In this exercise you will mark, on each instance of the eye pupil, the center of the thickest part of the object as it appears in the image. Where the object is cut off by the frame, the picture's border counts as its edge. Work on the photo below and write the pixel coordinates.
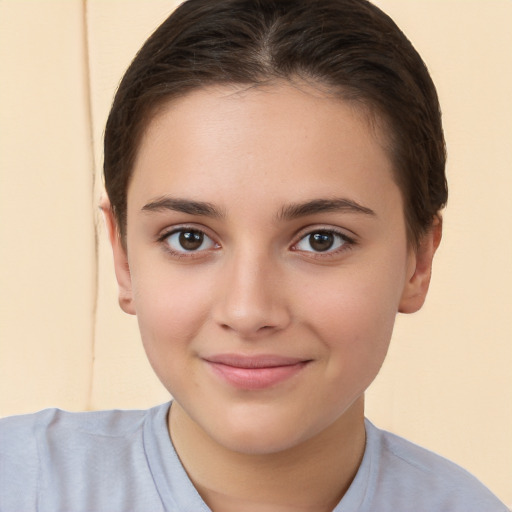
(191, 240)
(321, 241)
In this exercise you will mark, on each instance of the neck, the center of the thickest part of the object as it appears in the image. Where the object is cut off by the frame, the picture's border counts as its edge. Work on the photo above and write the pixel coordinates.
(312, 476)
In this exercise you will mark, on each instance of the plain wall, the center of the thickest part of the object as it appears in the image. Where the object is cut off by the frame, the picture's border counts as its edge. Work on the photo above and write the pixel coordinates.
(447, 382)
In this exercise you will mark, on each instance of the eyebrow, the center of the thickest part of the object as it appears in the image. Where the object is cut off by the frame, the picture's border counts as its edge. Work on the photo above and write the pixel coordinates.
(182, 205)
(291, 211)
(297, 210)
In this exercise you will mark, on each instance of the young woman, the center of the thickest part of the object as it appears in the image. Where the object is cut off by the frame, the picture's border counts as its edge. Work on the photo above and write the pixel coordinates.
(275, 176)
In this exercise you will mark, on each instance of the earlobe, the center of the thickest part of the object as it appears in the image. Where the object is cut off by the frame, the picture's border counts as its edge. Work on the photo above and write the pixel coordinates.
(121, 266)
(416, 287)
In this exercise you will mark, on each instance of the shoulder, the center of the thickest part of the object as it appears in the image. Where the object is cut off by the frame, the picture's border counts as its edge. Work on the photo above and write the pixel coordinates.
(18, 463)
(57, 457)
(30, 434)
(409, 473)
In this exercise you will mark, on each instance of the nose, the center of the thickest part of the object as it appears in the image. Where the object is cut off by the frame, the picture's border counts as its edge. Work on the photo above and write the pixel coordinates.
(252, 297)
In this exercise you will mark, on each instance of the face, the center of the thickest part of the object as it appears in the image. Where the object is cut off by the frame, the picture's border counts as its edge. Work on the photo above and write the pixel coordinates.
(266, 260)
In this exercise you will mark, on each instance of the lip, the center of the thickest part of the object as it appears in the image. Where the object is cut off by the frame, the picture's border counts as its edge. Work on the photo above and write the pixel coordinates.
(255, 372)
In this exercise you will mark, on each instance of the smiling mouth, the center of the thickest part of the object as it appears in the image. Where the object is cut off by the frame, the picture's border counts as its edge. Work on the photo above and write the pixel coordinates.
(254, 372)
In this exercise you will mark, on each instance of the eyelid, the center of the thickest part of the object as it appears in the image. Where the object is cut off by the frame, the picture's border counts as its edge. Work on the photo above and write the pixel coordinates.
(169, 231)
(350, 240)
(313, 228)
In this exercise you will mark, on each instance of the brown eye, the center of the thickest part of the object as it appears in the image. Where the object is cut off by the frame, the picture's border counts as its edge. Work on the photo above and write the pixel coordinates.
(188, 240)
(322, 241)
(191, 240)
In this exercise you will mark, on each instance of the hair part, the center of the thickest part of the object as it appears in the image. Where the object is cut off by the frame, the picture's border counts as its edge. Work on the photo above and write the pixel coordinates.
(349, 48)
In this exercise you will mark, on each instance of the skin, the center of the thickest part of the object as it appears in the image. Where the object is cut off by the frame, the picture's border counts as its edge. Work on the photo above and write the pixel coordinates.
(258, 286)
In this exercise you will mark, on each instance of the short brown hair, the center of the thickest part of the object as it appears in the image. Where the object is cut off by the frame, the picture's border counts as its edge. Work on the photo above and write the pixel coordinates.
(349, 47)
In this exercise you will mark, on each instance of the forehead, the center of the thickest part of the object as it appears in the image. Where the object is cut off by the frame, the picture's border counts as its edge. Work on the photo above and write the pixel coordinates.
(312, 106)
(288, 140)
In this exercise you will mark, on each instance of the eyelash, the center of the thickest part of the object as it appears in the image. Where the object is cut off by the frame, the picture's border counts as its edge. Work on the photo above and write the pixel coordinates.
(347, 242)
(163, 239)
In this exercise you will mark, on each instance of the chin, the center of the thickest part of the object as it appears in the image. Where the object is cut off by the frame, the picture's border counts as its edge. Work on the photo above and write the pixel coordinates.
(258, 443)
(261, 434)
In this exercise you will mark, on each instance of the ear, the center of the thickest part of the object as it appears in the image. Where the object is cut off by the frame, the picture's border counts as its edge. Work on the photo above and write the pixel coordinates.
(121, 266)
(416, 287)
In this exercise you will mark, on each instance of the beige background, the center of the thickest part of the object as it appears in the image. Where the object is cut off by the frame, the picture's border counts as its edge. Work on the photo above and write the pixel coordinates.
(447, 383)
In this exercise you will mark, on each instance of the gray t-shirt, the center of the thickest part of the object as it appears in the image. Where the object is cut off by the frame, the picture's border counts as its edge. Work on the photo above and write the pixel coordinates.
(124, 461)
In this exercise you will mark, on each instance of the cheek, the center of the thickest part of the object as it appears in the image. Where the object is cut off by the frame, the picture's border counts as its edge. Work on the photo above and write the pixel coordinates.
(171, 308)
(359, 302)
(357, 336)
(353, 313)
